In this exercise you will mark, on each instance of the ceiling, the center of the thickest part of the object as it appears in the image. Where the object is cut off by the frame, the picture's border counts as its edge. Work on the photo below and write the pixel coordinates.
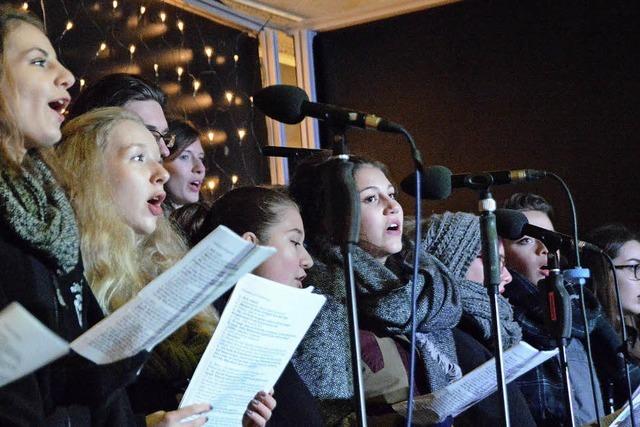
(324, 15)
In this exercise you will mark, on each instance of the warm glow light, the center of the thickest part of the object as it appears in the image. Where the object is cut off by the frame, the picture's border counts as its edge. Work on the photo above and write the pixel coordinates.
(103, 46)
(142, 10)
(25, 6)
(163, 16)
(82, 83)
(211, 184)
(229, 96)
(242, 133)
(179, 70)
(235, 58)
(196, 86)
(132, 49)
(208, 51)
(69, 25)
(234, 179)
(115, 4)
(155, 68)
(210, 135)
(181, 26)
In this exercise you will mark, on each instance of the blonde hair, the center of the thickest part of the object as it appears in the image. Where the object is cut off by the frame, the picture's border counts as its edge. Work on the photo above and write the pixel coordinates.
(118, 263)
(12, 148)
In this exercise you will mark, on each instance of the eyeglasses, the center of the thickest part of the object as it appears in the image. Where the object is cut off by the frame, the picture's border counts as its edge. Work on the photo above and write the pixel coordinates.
(168, 138)
(634, 267)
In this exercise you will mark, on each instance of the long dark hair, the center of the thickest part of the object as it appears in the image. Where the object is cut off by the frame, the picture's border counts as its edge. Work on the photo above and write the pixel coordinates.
(315, 187)
(610, 238)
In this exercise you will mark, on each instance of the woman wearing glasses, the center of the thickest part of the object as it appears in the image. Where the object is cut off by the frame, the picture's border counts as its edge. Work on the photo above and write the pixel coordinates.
(623, 246)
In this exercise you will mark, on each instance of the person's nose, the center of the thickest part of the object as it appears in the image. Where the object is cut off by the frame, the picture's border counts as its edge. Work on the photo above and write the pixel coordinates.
(198, 166)
(306, 261)
(65, 78)
(160, 175)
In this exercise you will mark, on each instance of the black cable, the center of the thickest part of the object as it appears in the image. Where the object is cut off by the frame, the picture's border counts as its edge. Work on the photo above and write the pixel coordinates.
(623, 333)
(583, 308)
(417, 159)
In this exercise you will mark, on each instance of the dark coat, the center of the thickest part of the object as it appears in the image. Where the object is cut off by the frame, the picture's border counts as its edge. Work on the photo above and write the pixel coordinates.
(71, 391)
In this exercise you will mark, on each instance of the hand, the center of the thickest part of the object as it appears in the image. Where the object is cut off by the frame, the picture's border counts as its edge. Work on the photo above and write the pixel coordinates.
(259, 410)
(173, 418)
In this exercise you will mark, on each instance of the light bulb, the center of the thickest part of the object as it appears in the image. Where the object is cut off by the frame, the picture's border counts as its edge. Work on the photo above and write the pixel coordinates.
(235, 58)
(210, 135)
(234, 179)
(229, 96)
(115, 4)
(25, 6)
(69, 25)
(196, 86)
(103, 46)
(163, 16)
(132, 49)
(181, 26)
(242, 133)
(179, 70)
(82, 83)
(142, 10)
(208, 51)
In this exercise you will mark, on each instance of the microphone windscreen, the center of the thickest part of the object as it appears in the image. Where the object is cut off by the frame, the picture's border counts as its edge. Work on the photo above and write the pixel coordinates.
(435, 183)
(281, 102)
(510, 223)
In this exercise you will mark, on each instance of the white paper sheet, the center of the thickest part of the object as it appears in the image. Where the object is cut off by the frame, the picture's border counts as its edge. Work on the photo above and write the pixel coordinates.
(25, 344)
(174, 297)
(260, 328)
(474, 386)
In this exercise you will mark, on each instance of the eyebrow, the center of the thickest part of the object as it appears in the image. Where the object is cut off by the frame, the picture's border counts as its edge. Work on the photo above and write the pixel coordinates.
(374, 187)
(38, 49)
(296, 230)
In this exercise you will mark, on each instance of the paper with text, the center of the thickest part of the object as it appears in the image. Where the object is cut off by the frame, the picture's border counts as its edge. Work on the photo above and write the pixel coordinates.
(205, 273)
(475, 386)
(624, 417)
(259, 330)
(25, 344)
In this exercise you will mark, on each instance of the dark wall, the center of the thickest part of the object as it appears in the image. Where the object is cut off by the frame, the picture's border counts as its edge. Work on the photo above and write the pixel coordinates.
(502, 85)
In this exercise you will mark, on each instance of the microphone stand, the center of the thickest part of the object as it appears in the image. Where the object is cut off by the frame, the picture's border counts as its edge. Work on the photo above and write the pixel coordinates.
(491, 265)
(348, 240)
(559, 321)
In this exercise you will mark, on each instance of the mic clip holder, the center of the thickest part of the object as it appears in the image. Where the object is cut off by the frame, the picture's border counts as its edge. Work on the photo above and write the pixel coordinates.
(491, 265)
(576, 275)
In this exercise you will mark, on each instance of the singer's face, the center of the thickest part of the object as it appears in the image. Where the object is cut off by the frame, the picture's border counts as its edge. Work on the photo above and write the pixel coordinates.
(288, 265)
(152, 115)
(528, 256)
(476, 269)
(34, 84)
(187, 171)
(381, 214)
(136, 175)
(628, 254)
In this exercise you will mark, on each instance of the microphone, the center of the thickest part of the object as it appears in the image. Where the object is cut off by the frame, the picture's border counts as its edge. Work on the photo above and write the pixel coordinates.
(290, 104)
(469, 180)
(512, 225)
(435, 183)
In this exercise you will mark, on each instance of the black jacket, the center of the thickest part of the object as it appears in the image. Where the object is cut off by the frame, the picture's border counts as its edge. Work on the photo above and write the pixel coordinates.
(71, 391)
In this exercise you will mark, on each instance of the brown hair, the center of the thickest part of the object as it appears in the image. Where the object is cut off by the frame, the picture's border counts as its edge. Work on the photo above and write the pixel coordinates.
(185, 134)
(12, 149)
(246, 209)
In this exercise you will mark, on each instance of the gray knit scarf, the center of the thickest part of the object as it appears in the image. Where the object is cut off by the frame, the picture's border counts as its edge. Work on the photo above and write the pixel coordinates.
(35, 210)
(477, 311)
(323, 358)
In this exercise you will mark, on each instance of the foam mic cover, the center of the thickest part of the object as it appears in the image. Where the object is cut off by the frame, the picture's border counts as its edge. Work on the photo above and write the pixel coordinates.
(436, 183)
(510, 223)
(282, 103)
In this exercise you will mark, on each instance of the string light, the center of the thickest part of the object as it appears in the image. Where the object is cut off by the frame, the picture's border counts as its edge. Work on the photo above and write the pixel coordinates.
(142, 10)
(103, 46)
(234, 179)
(155, 70)
(235, 58)
(132, 50)
(163, 17)
(115, 4)
(181, 26)
(229, 96)
(211, 184)
(69, 26)
(242, 133)
(196, 86)
(179, 70)
(82, 83)
(25, 6)
(210, 135)
(208, 51)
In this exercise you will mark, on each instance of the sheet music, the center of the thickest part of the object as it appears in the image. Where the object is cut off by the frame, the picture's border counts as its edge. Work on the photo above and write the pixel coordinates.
(170, 300)
(25, 344)
(475, 386)
(260, 328)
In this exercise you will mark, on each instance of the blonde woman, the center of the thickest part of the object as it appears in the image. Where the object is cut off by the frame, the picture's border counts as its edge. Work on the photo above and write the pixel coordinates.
(112, 170)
